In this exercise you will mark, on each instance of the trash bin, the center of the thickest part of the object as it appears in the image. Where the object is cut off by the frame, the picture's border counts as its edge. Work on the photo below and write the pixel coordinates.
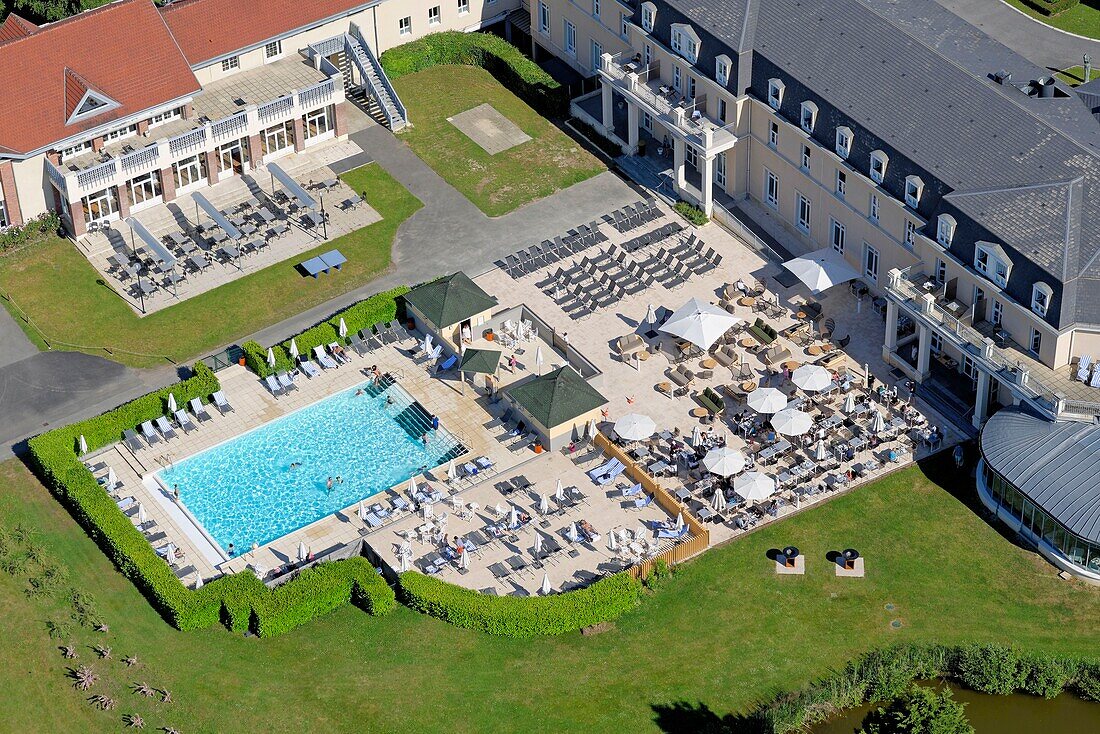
(641, 147)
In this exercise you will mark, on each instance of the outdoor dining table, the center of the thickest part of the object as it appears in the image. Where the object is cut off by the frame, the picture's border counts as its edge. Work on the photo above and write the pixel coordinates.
(857, 443)
(198, 262)
(248, 228)
(311, 219)
(179, 239)
(230, 252)
(683, 494)
(132, 268)
(659, 467)
(187, 246)
(834, 421)
(265, 215)
(145, 287)
(217, 236)
(705, 513)
(174, 277)
(329, 183)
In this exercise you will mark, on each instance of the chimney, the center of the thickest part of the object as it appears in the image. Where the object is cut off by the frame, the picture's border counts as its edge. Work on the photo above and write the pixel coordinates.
(1046, 87)
(1002, 77)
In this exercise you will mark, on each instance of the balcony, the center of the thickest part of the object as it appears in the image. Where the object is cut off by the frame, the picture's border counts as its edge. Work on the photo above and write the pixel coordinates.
(688, 118)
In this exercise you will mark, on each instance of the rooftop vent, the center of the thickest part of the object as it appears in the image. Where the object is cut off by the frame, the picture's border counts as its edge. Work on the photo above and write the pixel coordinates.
(1002, 77)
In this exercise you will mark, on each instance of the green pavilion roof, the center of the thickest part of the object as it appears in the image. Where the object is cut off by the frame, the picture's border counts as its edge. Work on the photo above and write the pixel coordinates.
(482, 361)
(450, 300)
(557, 397)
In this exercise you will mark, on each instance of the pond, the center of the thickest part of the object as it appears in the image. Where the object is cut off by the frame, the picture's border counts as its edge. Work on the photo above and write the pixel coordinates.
(1016, 714)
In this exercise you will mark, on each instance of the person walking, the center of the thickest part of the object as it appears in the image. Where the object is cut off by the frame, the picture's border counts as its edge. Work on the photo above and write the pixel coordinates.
(960, 455)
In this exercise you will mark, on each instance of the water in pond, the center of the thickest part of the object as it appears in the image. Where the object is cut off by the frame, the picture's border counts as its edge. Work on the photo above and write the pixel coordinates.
(1016, 714)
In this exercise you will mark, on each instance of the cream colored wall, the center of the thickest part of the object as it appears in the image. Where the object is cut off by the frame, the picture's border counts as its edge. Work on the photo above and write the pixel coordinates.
(380, 25)
(604, 29)
(35, 192)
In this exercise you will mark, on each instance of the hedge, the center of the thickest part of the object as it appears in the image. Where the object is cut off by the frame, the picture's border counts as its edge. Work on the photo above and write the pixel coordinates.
(239, 601)
(526, 79)
(511, 616)
(1050, 7)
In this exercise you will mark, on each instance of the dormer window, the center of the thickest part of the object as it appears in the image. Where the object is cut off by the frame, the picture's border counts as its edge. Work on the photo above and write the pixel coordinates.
(685, 41)
(879, 161)
(992, 262)
(83, 100)
(809, 116)
(1041, 293)
(914, 187)
(945, 229)
(775, 93)
(722, 66)
(843, 141)
(649, 14)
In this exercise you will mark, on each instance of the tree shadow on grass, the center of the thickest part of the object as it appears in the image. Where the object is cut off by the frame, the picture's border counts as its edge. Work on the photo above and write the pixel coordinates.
(682, 717)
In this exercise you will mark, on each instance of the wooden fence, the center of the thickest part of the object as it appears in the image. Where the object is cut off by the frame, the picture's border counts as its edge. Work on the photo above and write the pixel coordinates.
(698, 536)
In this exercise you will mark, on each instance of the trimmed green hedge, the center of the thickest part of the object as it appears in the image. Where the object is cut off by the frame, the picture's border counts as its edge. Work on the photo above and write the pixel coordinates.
(511, 616)
(240, 601)
(255, 359)
(692, 213)
(1050, 7)
(505, 62)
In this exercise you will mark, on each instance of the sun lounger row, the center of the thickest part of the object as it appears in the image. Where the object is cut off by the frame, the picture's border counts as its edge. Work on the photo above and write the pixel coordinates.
(1085, 364)
(548, 252)
(159, 429)
(636, 215)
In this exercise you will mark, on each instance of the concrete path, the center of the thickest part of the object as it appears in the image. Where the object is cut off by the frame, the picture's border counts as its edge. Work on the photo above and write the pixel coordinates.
(1030, 38)
(14, 344)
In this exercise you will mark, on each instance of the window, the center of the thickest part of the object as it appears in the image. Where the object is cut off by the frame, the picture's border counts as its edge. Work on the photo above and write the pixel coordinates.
(4, 216)
(992, 262)
(722, 70)
(841, 183)
(691, 156)
(879, 161)
(233, 156)
(100, 205)
(936, 343)
(803, 213)
(597, 52)
(433, 15)
(945, 229)
(690, 87)
(120, 133)
(913, 188)
(870, 262)
(624, 26)
(1036, 341)
(273, 50)
(941, 271)
(685, 42)
(808, 117)
(1040, 299)
(677, 78)
(76, 150)
(405, 25)
(317, 122)
(721, 109)
(464, 7)
(771, 189)
(837, 238)
(233, 62)
(805, 157)
(997, 312)
(595, 7)
(277, 138)
(144, 188)
(544, 19)
(164, 117)
(647, 121)
(649, 13)
(873, 210)
(773, 134)
(570, 38)
(843, 141)
(910, 232)
(720, 169)
(775, 93)
(189, 171)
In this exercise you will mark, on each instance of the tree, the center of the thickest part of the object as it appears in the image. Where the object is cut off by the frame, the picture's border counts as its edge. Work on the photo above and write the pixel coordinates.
(920, 710)
(43, 11)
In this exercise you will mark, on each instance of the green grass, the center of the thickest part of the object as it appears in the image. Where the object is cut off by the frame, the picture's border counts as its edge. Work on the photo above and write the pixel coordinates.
(1075, 75)
(66, 300)
(1082, 19)
(496, 184)
(724, 632)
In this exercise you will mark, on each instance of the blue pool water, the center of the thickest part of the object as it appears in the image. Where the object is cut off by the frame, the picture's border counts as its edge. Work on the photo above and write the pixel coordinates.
(245, 491)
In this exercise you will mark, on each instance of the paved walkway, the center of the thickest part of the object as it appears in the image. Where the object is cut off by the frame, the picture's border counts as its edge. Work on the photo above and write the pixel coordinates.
(1030, 38)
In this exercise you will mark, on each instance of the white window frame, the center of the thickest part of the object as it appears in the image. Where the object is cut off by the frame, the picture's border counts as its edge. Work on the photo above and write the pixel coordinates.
(996, 312)
(773, 134)
(121, 133)
(463, 7)
(405, 26)
(844, 139)
(321, 119)
(841, 187)
(596, 51)
(282, 131)
(107, 201)
(871, 258)
(720, 170)
(1041, 295)
(595, 7)
(873, 208)
(148, 185)
(231, 64)
(570, 37)
(273, 50)
(910, 235)
(722, 66)
(649, 16)
(776, 87)
(435, 15)
(837, 235)
(677, 78)
(945, 229)
(190, 168)
(803, 213)
(166, 116)
(771, 189)
(75, 150)
(989, 262)
(4, 222)
(685, 41)
(941, 271)
(807, 117)
(879, 162)
(624, 26)
(1036, 343)
(805, 159)
(914, 187)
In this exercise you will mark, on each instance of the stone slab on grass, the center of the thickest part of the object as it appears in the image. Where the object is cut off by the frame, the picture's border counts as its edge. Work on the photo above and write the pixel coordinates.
(494, 132)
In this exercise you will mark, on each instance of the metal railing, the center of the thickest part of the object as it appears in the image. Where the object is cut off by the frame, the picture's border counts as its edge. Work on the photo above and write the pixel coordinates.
(93, 178)
(317, 95)
(140, 159)
(229, 127)
(356, 34)
(57, 178)
(187, 142)
(276, 108)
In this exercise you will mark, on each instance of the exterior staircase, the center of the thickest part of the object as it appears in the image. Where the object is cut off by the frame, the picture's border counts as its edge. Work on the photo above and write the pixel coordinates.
(376, 84)
(415, 419)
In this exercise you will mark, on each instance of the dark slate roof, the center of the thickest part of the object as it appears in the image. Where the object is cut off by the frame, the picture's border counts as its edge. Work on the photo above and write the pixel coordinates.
(481, 361)
(449, 300)
(1054, 463)
(556, 397)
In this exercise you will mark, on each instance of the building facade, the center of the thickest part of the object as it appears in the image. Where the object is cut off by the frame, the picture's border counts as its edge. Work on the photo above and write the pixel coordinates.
(130, 105)
(937, 161)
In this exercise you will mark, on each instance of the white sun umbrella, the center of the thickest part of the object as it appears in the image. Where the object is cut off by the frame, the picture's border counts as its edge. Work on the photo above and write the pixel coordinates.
(343, 330)
(429, 513)
(574, 536)
(142, 516)
(754, 486)
(651, 315)
(514, 519)
(170, 553)
(260, 570)
(302, 552)
(172, 403)
(362, 511)
(878, 422)
(499, 509)
(538, 359)
(700, 323)
(406, 548)
(559, 493)
(427, 343)
(112, 478)
(791, 422)
(767, 400)
(402, 564)
(812, 378)
(544, 504)
(695, 435)
(198, 582)
(464, 559)
(612, 541)
(624, 535)
(546, 588)
(724, 461)
(413, 489)
(270, 356)
(679, 521)
(821, 269)
(293, 349)
(635, 427)
(456, 503)
(849, 403)
(82, 443)
(452, 473)
(821, 453)
(592, 428)
(718, 503)
(538, 543)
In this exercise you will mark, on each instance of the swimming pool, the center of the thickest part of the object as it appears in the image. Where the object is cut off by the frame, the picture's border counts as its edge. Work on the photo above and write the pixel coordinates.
(273, 480)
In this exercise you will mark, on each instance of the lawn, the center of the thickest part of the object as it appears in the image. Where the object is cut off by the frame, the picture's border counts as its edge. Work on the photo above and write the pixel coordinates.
(724, 632)
(498, 183)
(1082, 19)
(1075, 75)
(66, 300)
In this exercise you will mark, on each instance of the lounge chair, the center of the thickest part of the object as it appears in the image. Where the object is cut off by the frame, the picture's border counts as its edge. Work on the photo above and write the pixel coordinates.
(286, 381)
(149, 432)
(221, 403)
(1095, 381)
(358, 345)
(326, 361)
(338, 353)
(483, 463)
(130, 439)
(643, 502)
(611, 474)
(273, 385)
(631, 491)
(185, 423)
(126, 503)
(603, 468)
(308, 367)
(448, 363)
(1083, 367)
(199, 410)
(672, 534)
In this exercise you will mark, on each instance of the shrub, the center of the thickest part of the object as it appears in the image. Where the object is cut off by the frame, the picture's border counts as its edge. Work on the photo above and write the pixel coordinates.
(920, 710)
(990, 668)
(1087, 682)
(31, 232)
(510, 616)
(368, 312)
(657, 575)
(255, 359)
(597, 138)
(692, 213)
(501, 59)
(1047, 676)
(1050, 7)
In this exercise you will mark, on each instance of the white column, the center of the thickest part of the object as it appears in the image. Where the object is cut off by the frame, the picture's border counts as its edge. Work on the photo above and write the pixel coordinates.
(924, 351)
(632, 127)
(679, 158)
(891, 326)
(608, 113)
(981, 402)
(708, 185)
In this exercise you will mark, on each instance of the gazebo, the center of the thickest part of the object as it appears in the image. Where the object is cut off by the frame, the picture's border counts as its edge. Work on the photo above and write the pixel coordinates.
(448, 306)
(480, 362)
(556, 406)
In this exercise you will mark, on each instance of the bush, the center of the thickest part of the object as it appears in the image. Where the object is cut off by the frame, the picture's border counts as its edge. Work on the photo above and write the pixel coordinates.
(1050, 7)
(657, 575)
(692, 213)
(255, 359)
(920, 711)
(505, 62)
(381, 307)
(510, 616)
(597, 138)
(31, 232)
(990, 668)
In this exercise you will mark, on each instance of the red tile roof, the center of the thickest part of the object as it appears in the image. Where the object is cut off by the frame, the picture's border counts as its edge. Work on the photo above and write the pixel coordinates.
(15, 27)
(207, 29)
(122, 50)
